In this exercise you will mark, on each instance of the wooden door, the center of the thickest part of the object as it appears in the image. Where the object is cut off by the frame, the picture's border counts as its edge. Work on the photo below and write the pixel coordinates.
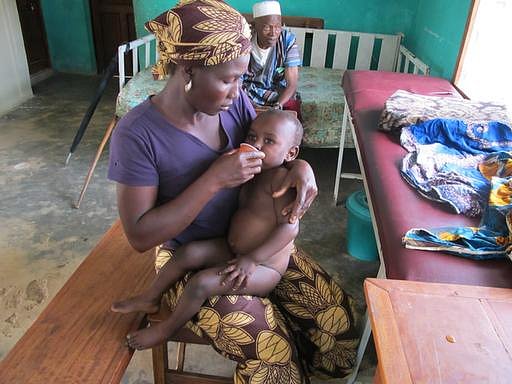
(113, 24)
(34, 35)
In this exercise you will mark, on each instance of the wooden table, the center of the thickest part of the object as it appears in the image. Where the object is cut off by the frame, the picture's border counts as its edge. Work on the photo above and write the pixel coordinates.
(440, 333)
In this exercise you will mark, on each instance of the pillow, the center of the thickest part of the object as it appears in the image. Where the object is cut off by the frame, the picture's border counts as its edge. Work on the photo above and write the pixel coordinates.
(404, 108)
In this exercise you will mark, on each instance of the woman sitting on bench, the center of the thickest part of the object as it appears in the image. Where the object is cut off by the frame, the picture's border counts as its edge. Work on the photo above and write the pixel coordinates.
(178, 181)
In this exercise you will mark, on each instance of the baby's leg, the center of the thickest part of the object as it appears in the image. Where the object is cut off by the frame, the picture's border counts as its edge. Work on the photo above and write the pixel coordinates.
(192, 256)
(201, 286)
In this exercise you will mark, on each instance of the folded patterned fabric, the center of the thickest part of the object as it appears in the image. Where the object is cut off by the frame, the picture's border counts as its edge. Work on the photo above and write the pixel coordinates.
(404, 108)
(448, 176)
(470, 138)
(442, 163)
(493, 238)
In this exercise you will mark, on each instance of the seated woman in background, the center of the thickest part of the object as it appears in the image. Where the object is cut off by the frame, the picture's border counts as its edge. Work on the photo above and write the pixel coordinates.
(273, 73)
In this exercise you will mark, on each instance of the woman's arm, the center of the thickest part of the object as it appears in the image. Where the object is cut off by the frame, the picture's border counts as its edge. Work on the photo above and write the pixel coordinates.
(301, 177)
(291, 75)
(147, 226)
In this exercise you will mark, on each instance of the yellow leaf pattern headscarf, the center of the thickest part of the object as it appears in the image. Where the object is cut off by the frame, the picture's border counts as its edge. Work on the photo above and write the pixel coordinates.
(199, 32)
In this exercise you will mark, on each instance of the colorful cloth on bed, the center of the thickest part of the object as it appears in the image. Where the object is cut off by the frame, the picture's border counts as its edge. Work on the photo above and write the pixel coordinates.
(443, 158)
(404, 108)
(262, 83)
(493, 238)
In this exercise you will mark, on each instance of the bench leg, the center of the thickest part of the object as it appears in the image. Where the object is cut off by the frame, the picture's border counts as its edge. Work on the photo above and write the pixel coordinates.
(160, 363)
(340, 152)
(180, 356)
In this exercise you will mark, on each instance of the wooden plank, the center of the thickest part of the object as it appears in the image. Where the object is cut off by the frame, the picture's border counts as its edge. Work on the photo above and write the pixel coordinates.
(300, 36)
(364, 51)
(175, 377)
(468, 29)
(392, 362)
(388, 51)
(433, 325)
(341, 50)
(77, 339)
(319, 48)
(458, 290)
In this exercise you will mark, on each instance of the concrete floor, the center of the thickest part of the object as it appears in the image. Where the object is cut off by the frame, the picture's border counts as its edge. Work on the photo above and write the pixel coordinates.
(43, 238)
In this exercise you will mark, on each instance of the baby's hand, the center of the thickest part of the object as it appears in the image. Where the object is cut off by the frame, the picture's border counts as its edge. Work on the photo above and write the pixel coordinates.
(238, 271)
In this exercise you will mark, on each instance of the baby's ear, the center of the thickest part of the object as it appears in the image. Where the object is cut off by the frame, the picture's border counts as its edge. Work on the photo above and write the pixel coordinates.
(292, 153)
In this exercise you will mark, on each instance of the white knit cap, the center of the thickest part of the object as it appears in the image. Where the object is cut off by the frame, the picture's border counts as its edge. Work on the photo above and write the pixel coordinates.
(266, 8)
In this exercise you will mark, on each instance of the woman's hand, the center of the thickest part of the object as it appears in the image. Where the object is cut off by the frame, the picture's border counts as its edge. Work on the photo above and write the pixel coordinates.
(238, 271)
(300, 176)
(235, 168)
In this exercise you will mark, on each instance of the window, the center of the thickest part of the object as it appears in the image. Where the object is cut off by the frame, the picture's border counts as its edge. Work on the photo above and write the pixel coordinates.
(484, 71)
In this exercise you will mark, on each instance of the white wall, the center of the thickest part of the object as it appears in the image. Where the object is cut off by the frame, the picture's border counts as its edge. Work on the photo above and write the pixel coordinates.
(14, 77)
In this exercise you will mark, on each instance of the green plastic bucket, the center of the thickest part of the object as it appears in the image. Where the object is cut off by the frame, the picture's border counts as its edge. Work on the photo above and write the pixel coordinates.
(360, 238)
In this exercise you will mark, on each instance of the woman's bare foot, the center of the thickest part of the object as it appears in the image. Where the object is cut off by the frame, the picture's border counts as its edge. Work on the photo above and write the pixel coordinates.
(139, 303)
(147, 337)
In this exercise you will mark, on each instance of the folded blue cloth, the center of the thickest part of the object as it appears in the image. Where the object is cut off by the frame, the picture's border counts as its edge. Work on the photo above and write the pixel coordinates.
(443, 158)
(493, 238)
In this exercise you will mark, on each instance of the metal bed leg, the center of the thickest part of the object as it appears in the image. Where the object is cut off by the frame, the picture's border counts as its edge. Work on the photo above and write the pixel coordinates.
(361, 349)
(340, 152)
(365, 337)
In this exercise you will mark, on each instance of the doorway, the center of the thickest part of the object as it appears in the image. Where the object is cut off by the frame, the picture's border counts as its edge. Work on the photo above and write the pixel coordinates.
(34, 35)
(113, 23)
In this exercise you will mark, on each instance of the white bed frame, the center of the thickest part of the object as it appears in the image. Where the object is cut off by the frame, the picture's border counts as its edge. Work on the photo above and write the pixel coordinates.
(391, 56)
(343, 41)
(406, 62)
(132, 48)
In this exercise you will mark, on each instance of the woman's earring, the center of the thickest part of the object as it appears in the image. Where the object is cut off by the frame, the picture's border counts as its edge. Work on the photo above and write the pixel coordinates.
(188, 86)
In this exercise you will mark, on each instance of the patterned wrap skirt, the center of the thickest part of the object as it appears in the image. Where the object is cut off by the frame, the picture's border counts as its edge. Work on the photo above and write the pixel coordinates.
(305, 327)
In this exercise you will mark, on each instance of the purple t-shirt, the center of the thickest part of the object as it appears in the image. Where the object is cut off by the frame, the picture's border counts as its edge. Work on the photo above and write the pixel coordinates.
(147, 150)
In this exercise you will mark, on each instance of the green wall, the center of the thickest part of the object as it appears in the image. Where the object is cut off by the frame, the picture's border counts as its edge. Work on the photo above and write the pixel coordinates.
(436, 34)
(69, 33)
(433, 28)
(389, 16)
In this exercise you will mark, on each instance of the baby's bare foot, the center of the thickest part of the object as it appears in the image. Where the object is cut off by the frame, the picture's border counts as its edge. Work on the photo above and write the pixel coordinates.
(136, 304)
(147, 337)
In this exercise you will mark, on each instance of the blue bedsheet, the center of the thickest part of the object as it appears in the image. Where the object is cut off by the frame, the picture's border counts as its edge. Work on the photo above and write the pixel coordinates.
(470, 169)
(443, 158)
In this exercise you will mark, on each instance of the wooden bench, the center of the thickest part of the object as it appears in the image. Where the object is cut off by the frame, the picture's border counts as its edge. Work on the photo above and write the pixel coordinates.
(77, 339)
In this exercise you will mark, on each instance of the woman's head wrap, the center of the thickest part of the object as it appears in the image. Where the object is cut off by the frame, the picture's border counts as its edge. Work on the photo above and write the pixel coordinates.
(199, 32)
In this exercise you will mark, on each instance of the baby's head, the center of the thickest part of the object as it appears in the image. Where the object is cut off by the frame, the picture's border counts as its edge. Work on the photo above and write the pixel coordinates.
(278, 134)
